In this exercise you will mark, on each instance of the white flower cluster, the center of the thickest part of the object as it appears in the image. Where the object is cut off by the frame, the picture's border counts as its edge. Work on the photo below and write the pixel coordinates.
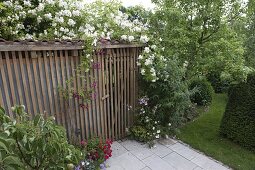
(65, 19)
(147, 63)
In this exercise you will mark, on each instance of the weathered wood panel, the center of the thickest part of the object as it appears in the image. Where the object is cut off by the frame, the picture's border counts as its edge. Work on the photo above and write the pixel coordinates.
(31, 74)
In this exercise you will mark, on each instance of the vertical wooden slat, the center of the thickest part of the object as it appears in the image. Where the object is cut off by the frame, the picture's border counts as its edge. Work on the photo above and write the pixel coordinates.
(122, 91)
(34, 59)
(1, 92)
(89, 104)
(115, 60)
(56, 57)
(10, 76)
(5, 87)
(96, 114)
(47, 69)
(107, 63)
(128, 88)
(100, 95)
(16, 71)
(84, 110)
(125, 90)
(1, 98)
(95, 106)
(119, 91)
(63, 84)
(54, 79)
(69, 112)
(102, 59)
(80, 109)
(111, 77)
(24, 82)
(42, 80)
(76, 106)
(131, 83)
(30, 80)
(134, 80)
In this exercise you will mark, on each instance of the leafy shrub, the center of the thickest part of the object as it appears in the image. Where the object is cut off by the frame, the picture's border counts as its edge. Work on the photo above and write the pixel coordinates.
(141, 134)
(219, 85)
(8, 159)
(36, 143)
(238, 122)
(203, 95)
(190, 113)
(147, 126)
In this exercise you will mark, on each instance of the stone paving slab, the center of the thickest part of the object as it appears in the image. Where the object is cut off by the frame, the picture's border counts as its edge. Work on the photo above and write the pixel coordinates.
(118, 149)
(169, 154)
(126, 161)
(161, 150)
(142, 153)
(179, 162)
(156, 163)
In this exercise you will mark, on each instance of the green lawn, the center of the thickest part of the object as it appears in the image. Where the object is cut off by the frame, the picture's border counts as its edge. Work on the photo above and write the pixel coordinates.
(203, 134)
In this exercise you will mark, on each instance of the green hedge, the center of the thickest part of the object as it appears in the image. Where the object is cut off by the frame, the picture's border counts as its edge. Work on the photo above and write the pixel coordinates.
(203, 95)
(238, 122)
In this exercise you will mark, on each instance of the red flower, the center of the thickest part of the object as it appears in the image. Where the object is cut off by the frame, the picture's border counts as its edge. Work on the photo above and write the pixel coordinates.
(96, 155)
(106, 157)
(109, 141)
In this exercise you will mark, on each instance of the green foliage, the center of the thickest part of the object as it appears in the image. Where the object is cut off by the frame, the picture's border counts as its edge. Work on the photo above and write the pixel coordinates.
(238, 123)
(147, 127)
(8, 159)
(137, 13)
(203, 33)
(217, 83)
(250, 34)
(35, 144)
(203, 96)
(139, 133)
(190, 114)
(168, 99)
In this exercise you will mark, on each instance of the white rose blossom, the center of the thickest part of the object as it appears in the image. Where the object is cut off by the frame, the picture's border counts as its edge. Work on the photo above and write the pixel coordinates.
(27, 3)
(144, 39)
(49, 16)
(71, 22)
(142, 71)
(124, 37)
(147, 50)
(131, 38)
(76, 13)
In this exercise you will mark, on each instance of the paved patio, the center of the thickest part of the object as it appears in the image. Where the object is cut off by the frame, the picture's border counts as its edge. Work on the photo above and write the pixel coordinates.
(168, 154)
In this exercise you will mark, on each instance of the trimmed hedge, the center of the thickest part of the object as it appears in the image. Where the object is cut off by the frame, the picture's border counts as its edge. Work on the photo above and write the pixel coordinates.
(203, 95)
(238, 122)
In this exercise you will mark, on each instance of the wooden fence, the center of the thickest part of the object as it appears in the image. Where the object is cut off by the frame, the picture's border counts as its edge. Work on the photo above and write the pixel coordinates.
(30, 73)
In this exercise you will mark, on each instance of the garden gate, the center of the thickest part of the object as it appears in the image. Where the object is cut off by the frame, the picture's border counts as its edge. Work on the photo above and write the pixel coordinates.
(30, 73)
